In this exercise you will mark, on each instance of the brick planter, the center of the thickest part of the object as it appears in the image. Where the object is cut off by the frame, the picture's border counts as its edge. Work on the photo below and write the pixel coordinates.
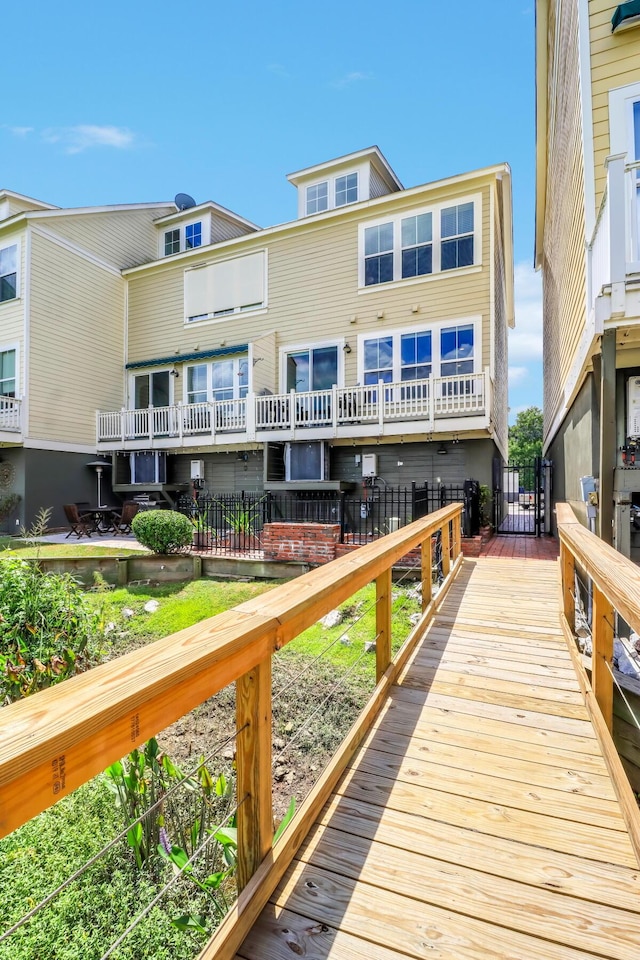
(313, 543)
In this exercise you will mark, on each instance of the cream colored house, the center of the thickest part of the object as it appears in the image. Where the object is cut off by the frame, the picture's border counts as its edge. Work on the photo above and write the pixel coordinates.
(364, 340)
(588, 247)
(62, 330)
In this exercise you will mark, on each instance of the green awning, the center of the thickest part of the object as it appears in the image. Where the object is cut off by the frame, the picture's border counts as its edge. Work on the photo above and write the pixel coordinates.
(625, 14)
(184, 357)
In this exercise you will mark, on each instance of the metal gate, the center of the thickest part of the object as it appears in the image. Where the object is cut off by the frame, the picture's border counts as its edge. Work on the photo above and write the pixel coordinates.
(522, 501)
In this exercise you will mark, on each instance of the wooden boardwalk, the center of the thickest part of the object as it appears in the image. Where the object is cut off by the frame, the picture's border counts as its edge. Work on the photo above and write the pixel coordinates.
(478, 819)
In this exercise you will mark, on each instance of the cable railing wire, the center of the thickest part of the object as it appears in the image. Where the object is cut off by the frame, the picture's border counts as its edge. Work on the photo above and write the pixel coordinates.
(303, 726)
(622, 694)
(115, 840)
(175, 879)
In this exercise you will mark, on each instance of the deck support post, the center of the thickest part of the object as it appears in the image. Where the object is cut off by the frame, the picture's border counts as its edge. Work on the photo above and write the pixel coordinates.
(427, 575)
(608, 445)
(383, 623)
(602, 655)
(568, 575)
(456, 526)
(446, 549)
(253, 761)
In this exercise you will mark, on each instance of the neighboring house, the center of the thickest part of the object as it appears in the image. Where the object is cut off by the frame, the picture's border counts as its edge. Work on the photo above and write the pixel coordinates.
(358, 343)
(62, 330)
(588, 247)
(364, 343)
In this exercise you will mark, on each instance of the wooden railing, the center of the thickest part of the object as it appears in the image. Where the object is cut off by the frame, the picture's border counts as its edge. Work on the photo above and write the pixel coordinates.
(613, 585)
(58, 739)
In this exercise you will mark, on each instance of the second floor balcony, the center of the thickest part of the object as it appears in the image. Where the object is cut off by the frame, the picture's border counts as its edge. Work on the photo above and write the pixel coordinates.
(11, 418)
(431, 405)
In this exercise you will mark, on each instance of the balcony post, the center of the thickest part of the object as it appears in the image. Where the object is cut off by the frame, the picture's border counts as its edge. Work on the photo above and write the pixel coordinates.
(617, 231)
(212, 417)
(381, 405)
(180, 420)
(253, 761)
(334, 409)
(123, 426)
(250, 415)
(292, 409)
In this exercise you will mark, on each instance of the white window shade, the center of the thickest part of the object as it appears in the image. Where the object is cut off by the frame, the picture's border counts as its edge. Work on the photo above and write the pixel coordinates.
(225, 286)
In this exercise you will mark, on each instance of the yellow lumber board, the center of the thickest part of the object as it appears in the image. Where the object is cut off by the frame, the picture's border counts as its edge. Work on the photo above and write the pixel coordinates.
(521, 716)
(482, 785)
(491, 674)
(440, 638)
(500, 820)
(410, 710)
(506, 762)
(559, 918)
(493, 626)
(537, 866)
(439, 728)
(405, 924)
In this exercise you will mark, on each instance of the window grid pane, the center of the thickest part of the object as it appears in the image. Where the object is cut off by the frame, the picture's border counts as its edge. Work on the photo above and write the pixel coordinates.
(171, 242)
(193, 235)
(346, 189)
(8, 273)
(317, 197)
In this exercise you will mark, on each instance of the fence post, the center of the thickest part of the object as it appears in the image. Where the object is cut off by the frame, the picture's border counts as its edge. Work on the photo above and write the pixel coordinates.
(253, 761)
(446, 549)
(383, 623)
(457, 535)
(427, 575)
(413, 500)
(602, 654)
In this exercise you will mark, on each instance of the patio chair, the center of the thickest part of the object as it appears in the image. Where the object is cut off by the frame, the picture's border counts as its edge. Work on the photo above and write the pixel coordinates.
(122, 524)
(80, 523)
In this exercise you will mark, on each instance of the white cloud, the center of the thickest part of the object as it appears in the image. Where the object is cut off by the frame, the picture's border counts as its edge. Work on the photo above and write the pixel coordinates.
(85, 136)
(525, 342)
(518, 375)
(20, 131)
(356, 76)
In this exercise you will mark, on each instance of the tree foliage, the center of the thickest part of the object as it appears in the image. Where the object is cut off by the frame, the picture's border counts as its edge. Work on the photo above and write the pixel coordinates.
(525, 436)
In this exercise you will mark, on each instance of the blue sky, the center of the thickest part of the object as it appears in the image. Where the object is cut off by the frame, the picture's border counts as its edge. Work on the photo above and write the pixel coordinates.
(129, 102)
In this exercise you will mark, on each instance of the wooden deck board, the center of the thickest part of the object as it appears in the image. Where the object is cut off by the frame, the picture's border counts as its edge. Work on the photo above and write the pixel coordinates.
(478, 819)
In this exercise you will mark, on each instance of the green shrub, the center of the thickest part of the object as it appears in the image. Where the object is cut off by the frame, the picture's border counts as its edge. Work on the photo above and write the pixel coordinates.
(163, 531)
(46, 628)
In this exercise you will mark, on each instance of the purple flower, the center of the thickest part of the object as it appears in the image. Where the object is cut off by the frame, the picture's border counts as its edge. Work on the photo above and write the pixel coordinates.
(164, 840)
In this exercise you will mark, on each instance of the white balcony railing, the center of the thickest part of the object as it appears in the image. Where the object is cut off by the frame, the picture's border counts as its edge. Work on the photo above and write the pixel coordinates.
(10, 415)
(338, 410)
(614, 250)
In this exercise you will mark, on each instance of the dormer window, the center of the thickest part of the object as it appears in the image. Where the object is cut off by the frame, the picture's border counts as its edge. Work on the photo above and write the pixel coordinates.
(9, 273)
(192, 235)
(346, 189)
(183, 238)
(317, 197)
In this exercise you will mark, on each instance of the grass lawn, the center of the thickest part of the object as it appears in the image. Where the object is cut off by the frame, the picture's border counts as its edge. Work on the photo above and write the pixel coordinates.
(81, 922)
(24, 548)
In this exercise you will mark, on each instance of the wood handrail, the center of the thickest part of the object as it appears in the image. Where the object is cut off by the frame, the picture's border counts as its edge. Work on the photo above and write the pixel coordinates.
(53, 742)
(615, 584)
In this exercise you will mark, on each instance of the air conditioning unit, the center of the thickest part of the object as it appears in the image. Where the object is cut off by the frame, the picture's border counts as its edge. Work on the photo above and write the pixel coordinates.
(306, 461)
(633, 407)
(197, 470)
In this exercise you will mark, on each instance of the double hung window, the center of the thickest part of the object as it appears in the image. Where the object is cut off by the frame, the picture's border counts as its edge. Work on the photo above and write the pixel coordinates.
(346, 189)
(7, 373)
(317, 197)
(226, 379)
(428, 241)
(171, 242)
(185, 237)
(192, 235)
(8, 273)
(403, 356)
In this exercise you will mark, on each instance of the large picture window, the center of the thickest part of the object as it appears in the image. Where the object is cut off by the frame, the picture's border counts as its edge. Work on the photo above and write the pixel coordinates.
(8, 273)
(428, 241)
(405, 355)
(315, 368)
(226, 379)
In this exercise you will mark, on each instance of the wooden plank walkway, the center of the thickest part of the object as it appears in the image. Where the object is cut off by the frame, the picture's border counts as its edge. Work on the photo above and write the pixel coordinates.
(478, 819)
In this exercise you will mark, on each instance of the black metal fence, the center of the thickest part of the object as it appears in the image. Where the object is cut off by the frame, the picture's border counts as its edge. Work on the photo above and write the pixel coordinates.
(233, 522)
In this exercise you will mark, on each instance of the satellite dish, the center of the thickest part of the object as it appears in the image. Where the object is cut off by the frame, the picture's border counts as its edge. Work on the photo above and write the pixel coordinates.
(184, 202)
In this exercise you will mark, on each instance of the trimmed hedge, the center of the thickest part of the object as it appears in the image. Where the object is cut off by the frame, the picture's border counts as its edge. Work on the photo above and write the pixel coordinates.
(163, 531)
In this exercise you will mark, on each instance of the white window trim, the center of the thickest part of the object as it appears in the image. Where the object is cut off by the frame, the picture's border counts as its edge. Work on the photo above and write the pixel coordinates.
(5, 246)
(435, 210)
(330, 180)
(311, 345)
(182, 227)
(310, 186)
(208, 363)
(4, 348)
(435, 330)
(144, 371)
(621, 100)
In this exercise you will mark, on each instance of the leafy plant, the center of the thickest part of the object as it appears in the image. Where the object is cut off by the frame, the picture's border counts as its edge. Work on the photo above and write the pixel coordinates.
(47, 628)
(486, 501)
(8, 504)
(162, 531)
(240, 517)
